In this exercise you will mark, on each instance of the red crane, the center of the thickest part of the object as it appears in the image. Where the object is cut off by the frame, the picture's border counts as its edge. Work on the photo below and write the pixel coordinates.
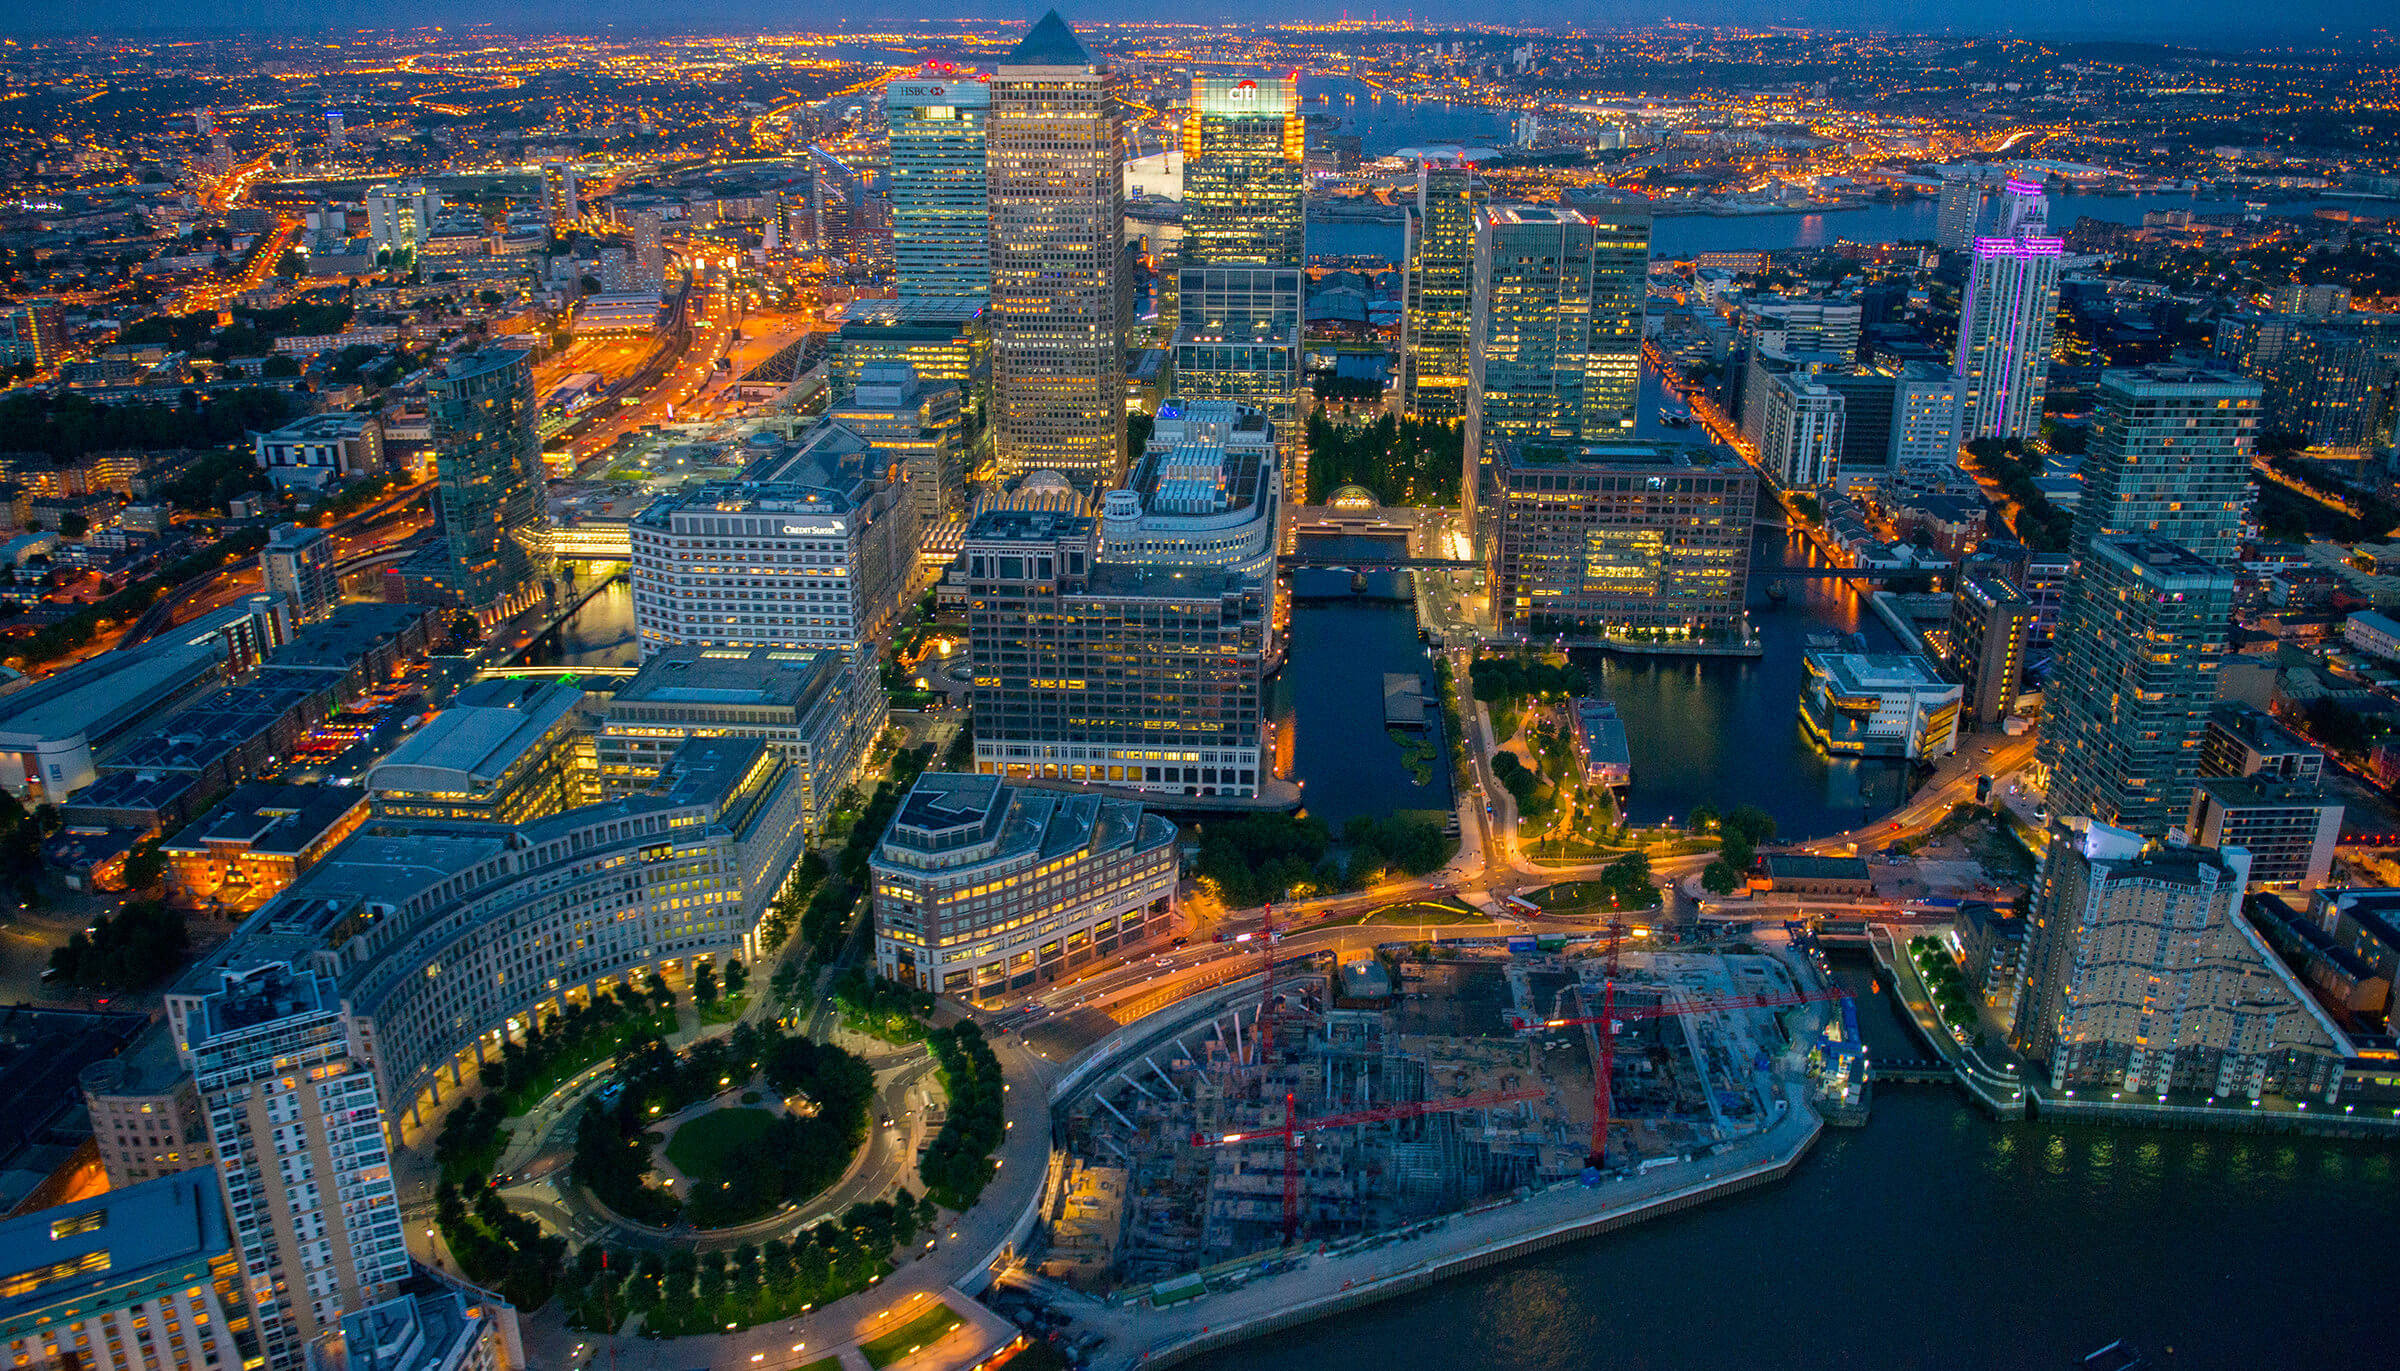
(1672, 1009)
(1293, 1126)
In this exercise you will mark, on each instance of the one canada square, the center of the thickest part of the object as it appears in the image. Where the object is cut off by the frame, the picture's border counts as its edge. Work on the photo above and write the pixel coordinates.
(1055, 146)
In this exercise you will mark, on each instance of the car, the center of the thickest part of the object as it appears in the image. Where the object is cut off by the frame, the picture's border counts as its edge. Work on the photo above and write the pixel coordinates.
(1179, 942)
(51, 975)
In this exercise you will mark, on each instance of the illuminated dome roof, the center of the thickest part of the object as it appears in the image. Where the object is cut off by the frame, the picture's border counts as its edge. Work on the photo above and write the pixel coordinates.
(1352, 497)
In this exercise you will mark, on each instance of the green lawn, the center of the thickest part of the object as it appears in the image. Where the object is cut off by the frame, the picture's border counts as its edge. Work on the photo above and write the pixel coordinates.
(709, 1146)
(725, 1008)
(911, 1336)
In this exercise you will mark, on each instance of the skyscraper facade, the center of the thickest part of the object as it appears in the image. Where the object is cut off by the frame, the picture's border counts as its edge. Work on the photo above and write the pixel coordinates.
(488, 469)
(1620, 304)
(2005, 320)
(400, 218)
(2169, 457)
(301, 1151)
(941, 221)
(1239, 290)
(2128, 701)
(1059, 306)
(1959, 213)
(1556, 330)
(1438, 310)
(562, 193)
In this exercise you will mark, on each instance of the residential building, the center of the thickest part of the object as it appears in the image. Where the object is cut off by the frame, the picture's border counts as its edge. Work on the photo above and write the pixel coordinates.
(2005, 320)
(819, 708)
(1622, 540)
(2144, 977)
(139, 1278)
(2288, 830)
(488, 480)
(2244, 740)
(1991, 623)
(562, 198)
(2138, 650)
(298, 1129)
(982, 885)
(400, 218)
(816, 548)
(649, 251)
(146, 1119)
(2377, 635)
(1801, 437)
(914, 424)
(941, 219)
(503, 752)
(1140, 676)
(321, 451)
(298, 564)
(2334, 385)
(432, 1330)
(1925, 434)
(1438, 312)
(33, 331)
(1060, 303)
(251, 845)
(2169, 457)
(1879, 705)
(1965, 200)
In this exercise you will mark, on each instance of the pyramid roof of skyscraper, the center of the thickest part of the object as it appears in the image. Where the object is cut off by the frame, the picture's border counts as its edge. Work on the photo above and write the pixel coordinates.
(1049, 43)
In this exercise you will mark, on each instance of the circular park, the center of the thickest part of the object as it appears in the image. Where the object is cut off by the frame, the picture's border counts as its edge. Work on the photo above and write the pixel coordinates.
(700, 1164)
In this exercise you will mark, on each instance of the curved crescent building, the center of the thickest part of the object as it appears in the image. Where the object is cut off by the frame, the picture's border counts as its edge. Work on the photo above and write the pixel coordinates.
(445, 940)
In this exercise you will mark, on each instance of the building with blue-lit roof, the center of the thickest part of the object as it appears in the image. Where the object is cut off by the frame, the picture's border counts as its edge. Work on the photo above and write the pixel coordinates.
(142, 1278)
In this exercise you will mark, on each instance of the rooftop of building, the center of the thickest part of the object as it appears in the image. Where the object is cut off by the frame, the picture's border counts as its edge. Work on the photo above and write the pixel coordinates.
(1028, 525)
(113, 1249)
(2175, 378)
(2256, 729)
(322, 427)
(943, 313)
(1631, 455)
(1805, 866)
(95, 695)
(1049, 43)
(2250, 792)
(690, 674)
(950, 809)
(812, 495)
(1149, 581)
(288, 536)
(482, 362)
(1869, 673)
(148, 1066)
(486, 729)
(259, 995)
(274, 820)
(2162, 559)
(340, 640)
(411, 1332)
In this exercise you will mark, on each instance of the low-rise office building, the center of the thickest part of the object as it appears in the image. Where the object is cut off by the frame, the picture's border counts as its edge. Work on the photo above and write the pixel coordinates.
(146, 1119)
(142, 1278)
(503, 752)
(321, 451)
(820, 708)
(982, 886)
(253, 843)
(1879, 705)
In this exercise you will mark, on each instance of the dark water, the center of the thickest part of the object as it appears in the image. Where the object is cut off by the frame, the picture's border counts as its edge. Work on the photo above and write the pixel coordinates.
(1726, 731)
(1328, 698)
(599, 634)
(1386, 125)
(1935, 1238)
(1682, 235)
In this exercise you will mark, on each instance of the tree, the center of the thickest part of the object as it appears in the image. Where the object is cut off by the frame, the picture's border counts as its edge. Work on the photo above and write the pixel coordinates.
(704, 985)
(73, 524)
(1720, 878)
(281, 365)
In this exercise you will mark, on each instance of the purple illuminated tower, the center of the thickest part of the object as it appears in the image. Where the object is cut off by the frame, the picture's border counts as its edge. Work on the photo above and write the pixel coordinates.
(2005, 321)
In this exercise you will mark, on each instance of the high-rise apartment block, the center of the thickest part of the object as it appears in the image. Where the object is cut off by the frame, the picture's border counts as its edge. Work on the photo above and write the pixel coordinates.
(298, 1128)
(1622, 540)
(562, 193)
(1557, 330)
(2169, 457)
(488, 470)
(1965, 199)
(2289, 830)
(649, 251)
(1135, 675)
(2136, 674)
(1800, 432)
(298, 564)
(982, 886)
(941, 217)
(1438, 312)
(400, 218)
(1060, 302)
(2006, 318)
(2144, 976)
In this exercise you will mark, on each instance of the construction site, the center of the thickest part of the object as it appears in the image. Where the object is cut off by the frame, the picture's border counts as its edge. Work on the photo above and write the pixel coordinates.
(1329, 1105)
